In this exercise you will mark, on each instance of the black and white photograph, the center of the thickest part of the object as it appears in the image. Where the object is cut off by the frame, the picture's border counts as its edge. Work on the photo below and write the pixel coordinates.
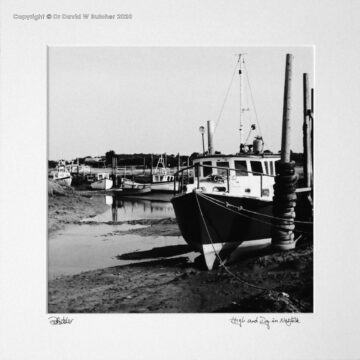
(180, 179)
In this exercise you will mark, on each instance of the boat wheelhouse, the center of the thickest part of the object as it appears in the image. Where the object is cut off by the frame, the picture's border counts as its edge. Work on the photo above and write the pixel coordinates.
(79, 169)
(248, 174)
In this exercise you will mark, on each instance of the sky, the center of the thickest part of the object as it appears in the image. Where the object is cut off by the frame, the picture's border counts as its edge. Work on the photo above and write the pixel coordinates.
(154, 99)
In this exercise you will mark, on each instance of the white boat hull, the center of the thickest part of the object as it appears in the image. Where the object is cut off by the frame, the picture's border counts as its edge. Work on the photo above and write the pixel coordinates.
(231, 251)
(104, 184)
(64, 181)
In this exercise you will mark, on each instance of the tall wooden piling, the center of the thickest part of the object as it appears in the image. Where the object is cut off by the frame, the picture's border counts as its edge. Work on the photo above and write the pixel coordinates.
(312, 129)
(286, 124)
(307, 132)
(151, 167)
(285, 181)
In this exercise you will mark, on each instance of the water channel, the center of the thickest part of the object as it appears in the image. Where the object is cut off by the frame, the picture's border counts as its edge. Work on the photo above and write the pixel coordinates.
(101, 242)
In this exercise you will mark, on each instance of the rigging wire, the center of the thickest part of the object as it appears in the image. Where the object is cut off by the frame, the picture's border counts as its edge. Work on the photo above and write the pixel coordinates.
(226, 96)
(252, 98)
(246, 94)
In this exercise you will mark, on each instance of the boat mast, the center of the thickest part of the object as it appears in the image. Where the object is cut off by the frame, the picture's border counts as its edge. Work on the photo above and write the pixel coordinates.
(241, 105)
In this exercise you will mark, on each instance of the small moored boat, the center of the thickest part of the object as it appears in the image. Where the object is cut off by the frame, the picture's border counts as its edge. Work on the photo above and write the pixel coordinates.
(61, 175)
(161, 179)
(129, 187)
(101, 181)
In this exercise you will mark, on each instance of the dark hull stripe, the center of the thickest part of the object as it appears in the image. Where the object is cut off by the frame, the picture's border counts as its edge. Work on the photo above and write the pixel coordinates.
(227, 226)
(224, 226)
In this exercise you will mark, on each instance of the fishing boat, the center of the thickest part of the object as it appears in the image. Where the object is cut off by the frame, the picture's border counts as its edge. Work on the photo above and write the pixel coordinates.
(130, 188)
(101, 181)
(61, 175)
(230, 201)
(161, 179)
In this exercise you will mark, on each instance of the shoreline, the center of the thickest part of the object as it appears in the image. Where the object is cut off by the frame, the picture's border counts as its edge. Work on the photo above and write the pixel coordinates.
(72, 208)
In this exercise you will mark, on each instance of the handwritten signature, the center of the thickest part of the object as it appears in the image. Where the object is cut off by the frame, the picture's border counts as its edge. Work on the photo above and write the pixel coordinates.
(57, 320)
(262, 320)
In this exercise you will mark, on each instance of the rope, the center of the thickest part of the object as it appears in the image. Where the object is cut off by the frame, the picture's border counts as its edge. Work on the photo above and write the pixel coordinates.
(235, 276)
(219, 203)
(221, 263)
(239, 208)
(235, 212)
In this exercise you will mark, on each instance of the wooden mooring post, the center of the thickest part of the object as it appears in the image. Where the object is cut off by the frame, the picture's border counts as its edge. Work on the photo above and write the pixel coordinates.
(151, 167)
(312, 130)
(307, 126)
(285, 181)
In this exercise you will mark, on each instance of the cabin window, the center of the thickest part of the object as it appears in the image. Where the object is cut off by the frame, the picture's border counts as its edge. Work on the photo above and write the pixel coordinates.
(272, 168)
(266, 167)
(240, 168)
(224, 164)
(207, 170)
(256, 167)
(100, 177)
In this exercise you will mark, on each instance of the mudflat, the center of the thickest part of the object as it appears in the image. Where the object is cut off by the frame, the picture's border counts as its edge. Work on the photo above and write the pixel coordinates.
(265, 281)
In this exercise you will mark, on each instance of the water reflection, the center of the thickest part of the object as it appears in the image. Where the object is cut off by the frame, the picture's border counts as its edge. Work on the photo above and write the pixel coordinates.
(125, 209)
(100, 243)
(114, 211)
(128, 209)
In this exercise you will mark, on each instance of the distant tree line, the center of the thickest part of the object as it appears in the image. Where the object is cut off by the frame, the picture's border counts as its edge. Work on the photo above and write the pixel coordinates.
(141, 159)
(146, 160)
